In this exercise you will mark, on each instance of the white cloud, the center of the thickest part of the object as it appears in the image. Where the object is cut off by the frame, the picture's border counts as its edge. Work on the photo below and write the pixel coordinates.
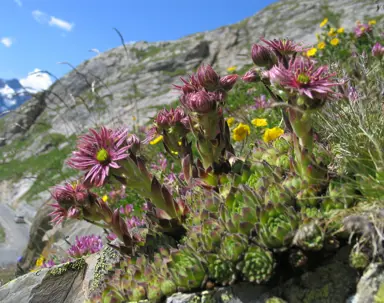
(36, 81)
(18, 2)
(61, 24)
(6, 41)
(44, 18)
(40, 16)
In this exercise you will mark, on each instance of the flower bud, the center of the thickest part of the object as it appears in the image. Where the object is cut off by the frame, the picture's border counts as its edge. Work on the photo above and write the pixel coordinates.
(251, 76)
(200, 102)
(227, 82)
(263, 56)
(207, 77)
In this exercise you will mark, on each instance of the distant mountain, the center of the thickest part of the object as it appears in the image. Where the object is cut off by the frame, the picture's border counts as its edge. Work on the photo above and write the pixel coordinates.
(12, 94)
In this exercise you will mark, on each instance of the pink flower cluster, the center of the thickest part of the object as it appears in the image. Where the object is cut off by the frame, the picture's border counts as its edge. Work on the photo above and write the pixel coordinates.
(85, 245)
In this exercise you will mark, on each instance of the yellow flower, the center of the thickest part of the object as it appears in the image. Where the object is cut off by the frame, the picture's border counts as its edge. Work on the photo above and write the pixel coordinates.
(340, 30)
(231, 69)
(259, 122)
(311, 52)
(321, 45)
(134, 118)
(40, 261)
(271, 134)
(335, 41)
(156, 140)
(241, 132)
(105, 198)
(324, 22)
(230, 121)
(371, 22)
(332, 32)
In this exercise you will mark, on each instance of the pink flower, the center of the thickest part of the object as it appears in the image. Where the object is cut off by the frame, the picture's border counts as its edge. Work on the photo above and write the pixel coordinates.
(285, 46)
(304, 78)
(378, 50)
(70, 194)
(48, 264)
(126, 210)
(261, 102)
(98, 152)
(59, 214)
(362, 29)
(85, 245)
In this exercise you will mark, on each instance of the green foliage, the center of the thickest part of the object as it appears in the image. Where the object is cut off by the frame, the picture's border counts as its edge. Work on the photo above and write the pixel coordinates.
(2, 234)
(142, 54)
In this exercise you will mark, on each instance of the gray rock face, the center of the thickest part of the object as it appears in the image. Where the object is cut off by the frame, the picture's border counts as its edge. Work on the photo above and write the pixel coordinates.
(371, 285)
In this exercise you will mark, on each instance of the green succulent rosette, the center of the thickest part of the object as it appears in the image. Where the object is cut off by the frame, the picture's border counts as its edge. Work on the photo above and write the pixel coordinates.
(187, 269)
(219, 270)
(358, 258)
(233, 246)
(276, 193)
(293, 184)
(310, 236)
(308, 197)
(258, 264)
(277, 226)
(342, 193)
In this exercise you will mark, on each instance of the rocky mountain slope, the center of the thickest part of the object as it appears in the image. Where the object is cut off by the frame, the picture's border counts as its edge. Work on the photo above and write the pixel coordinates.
(126, 85)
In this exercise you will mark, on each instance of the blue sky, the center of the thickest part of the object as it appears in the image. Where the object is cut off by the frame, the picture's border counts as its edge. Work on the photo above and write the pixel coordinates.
(40, 33)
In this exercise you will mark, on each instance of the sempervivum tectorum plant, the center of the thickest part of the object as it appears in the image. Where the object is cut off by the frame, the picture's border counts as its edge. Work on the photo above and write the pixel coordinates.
(73, 200)
(276, 226)
(219, 270)
(187, 268)
(203, 97)
(310, 236)
(233, 246)
(257, 265)
(173, 126)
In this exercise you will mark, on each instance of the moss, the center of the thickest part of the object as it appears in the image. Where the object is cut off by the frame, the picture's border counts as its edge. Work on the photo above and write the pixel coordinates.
(2, 234)
(379, 298)
(199, 37)
(226, 297)
(151, 51)
(102, 266)
(316, 295)
(72, 266)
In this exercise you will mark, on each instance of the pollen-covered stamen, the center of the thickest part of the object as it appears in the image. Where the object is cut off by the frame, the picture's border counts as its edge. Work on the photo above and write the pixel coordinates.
(303, 78)
(102, 156)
